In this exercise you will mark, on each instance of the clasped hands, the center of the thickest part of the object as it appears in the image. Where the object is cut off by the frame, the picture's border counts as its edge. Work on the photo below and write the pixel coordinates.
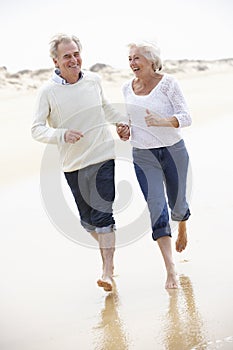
(123, 131)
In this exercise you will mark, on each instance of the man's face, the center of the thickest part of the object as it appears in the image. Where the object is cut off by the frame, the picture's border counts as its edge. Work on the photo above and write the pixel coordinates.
(68, 61)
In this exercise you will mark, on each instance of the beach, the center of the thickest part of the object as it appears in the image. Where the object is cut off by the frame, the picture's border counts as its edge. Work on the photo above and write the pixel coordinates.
(49, 298)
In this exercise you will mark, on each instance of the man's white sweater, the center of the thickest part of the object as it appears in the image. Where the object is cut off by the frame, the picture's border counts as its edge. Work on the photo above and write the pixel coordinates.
(82, 107)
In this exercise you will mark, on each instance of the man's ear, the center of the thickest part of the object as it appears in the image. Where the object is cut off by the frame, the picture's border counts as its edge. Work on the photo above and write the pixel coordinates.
(55, 62)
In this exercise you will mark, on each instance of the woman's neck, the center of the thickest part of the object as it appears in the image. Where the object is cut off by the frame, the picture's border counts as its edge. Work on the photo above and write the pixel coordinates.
(144, 85)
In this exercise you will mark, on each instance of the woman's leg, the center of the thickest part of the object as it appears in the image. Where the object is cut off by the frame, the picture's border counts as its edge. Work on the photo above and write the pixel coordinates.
(150, 178)
(166, 250)
(175, 166)
(182, 240)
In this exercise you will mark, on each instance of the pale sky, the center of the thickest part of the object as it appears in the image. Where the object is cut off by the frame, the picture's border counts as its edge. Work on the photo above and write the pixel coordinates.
(184, 29)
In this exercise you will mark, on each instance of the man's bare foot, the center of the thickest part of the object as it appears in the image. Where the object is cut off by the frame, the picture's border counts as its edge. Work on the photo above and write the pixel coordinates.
(181, 241)
(171, 282)
(106, 283)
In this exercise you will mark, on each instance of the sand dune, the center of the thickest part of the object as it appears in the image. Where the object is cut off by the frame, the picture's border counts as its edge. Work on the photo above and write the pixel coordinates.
(31, 79)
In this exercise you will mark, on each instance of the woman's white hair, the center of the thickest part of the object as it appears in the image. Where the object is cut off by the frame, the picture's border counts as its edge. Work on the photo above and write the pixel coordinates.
(151, 52)
(62, 38)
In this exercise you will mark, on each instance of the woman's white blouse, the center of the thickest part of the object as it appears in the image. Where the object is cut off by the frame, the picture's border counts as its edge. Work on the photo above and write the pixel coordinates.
(166, 100)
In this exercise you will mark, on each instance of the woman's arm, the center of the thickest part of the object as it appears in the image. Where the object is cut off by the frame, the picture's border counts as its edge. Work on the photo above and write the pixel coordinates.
(154, 120)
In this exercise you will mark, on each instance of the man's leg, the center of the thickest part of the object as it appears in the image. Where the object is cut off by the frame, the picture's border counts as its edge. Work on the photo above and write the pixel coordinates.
(89, 199)
(102, 195)
(107, 249)
(107, 253)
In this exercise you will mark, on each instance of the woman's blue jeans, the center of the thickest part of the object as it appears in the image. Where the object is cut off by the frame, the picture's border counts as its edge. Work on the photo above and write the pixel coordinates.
(162, 176)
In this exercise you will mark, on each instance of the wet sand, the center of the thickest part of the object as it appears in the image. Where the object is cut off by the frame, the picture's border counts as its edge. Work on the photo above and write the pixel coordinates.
(49, 298)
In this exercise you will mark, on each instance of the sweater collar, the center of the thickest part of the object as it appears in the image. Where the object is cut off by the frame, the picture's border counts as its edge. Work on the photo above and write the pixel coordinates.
(57, 78)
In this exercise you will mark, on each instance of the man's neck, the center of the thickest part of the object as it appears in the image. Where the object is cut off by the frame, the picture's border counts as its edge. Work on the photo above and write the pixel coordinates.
(58, 78)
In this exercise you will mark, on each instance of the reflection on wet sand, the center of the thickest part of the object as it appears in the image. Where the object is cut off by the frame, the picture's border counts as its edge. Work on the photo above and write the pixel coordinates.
(110, 332)
(183, 324)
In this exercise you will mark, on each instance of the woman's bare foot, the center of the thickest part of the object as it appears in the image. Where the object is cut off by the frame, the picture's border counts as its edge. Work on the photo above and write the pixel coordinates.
(181, 241)
(171, 282)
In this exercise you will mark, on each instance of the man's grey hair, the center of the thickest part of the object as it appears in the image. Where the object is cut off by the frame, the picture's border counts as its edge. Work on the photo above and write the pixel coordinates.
(62, 38)
(150, 52)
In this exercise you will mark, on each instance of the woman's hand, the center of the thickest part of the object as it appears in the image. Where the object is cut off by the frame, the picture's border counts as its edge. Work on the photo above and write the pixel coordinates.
(152, 119)
(155, 120)
(123, 131)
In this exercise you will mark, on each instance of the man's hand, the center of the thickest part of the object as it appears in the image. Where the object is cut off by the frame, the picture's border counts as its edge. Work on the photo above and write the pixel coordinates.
(72, 136)
(123, 131)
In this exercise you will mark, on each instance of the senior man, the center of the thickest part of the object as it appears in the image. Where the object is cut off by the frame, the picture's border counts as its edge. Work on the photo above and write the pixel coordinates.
(72, 112)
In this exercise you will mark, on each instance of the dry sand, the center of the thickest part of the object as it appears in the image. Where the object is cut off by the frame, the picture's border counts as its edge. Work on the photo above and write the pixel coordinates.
(49, 299)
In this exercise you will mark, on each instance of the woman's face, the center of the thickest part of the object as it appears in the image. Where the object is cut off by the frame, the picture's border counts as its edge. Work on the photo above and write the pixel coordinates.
(139, 64)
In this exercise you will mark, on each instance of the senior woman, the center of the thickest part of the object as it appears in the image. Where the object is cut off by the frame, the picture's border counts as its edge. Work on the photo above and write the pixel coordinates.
(157, 111)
